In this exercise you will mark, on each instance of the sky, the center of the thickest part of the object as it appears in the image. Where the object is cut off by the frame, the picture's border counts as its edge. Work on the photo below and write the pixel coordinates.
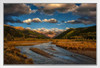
(48, 16)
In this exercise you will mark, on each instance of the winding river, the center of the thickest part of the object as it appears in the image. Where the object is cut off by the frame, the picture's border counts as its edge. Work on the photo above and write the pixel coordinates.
(59, 55)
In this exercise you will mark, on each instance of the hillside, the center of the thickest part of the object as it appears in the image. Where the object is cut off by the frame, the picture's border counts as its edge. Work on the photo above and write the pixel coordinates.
(11, 32)
(79, 33)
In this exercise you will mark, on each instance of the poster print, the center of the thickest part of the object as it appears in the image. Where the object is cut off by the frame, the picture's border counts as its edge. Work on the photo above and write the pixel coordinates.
(42, 33)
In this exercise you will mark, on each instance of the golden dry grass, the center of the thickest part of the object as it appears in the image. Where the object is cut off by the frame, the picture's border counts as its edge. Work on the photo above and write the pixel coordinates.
(72, 44)
(12, 55)
(87, 47)
(88, 53)
(24, 43)
(37, 50)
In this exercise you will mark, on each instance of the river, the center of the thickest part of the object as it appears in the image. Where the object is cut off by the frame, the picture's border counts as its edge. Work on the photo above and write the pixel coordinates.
(59, 55)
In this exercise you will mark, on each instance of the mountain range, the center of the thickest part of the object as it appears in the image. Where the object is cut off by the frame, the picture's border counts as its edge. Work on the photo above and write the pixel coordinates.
(72, 33)
(11, 31)
(78, 33)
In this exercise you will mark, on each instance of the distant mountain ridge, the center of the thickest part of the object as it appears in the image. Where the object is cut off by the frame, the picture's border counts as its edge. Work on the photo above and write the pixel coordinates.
(78, 33)
(21, 33)
(72, 33)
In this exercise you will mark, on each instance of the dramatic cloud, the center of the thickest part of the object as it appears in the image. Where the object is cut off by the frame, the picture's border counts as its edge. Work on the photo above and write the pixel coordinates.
(86, 10)
(83, 20)
(52, 20)
(36, 20)
(32, 20)
(87, 13)
(51, 8)
(15, 10)
(27, 21)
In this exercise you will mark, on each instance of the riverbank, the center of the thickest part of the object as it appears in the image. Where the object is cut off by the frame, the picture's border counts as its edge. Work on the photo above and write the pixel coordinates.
(48, 53)
(13, 55)
(87, 48)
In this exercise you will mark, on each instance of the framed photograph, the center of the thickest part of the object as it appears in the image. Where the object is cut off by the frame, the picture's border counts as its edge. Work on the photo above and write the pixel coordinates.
(49, 34)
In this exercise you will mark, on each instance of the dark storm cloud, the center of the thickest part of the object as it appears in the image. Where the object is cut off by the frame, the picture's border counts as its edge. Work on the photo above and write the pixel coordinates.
(15, 10)
(51, 8)
(84, 20)
(87, 14)
(86, 10)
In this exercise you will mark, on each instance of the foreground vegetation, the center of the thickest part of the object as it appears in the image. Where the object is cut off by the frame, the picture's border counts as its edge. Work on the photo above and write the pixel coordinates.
(81, 40)
(16, 37)
(85, 47)
(13, 55)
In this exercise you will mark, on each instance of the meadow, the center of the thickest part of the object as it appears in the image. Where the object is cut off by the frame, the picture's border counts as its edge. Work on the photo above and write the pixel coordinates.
(13, 55)
(84, 47)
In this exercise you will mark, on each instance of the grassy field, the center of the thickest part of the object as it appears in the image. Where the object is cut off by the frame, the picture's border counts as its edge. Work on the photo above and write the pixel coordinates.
(24, 43)
(13, 55)
(85, 47)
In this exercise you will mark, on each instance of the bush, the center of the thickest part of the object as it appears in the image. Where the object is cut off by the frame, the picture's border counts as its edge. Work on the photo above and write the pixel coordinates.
(29, 61)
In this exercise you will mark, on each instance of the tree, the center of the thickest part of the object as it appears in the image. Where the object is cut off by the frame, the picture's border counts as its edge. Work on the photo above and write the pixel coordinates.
(9, 37)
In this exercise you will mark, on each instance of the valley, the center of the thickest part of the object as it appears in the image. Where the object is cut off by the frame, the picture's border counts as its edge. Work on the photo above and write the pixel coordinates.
(73, 46)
